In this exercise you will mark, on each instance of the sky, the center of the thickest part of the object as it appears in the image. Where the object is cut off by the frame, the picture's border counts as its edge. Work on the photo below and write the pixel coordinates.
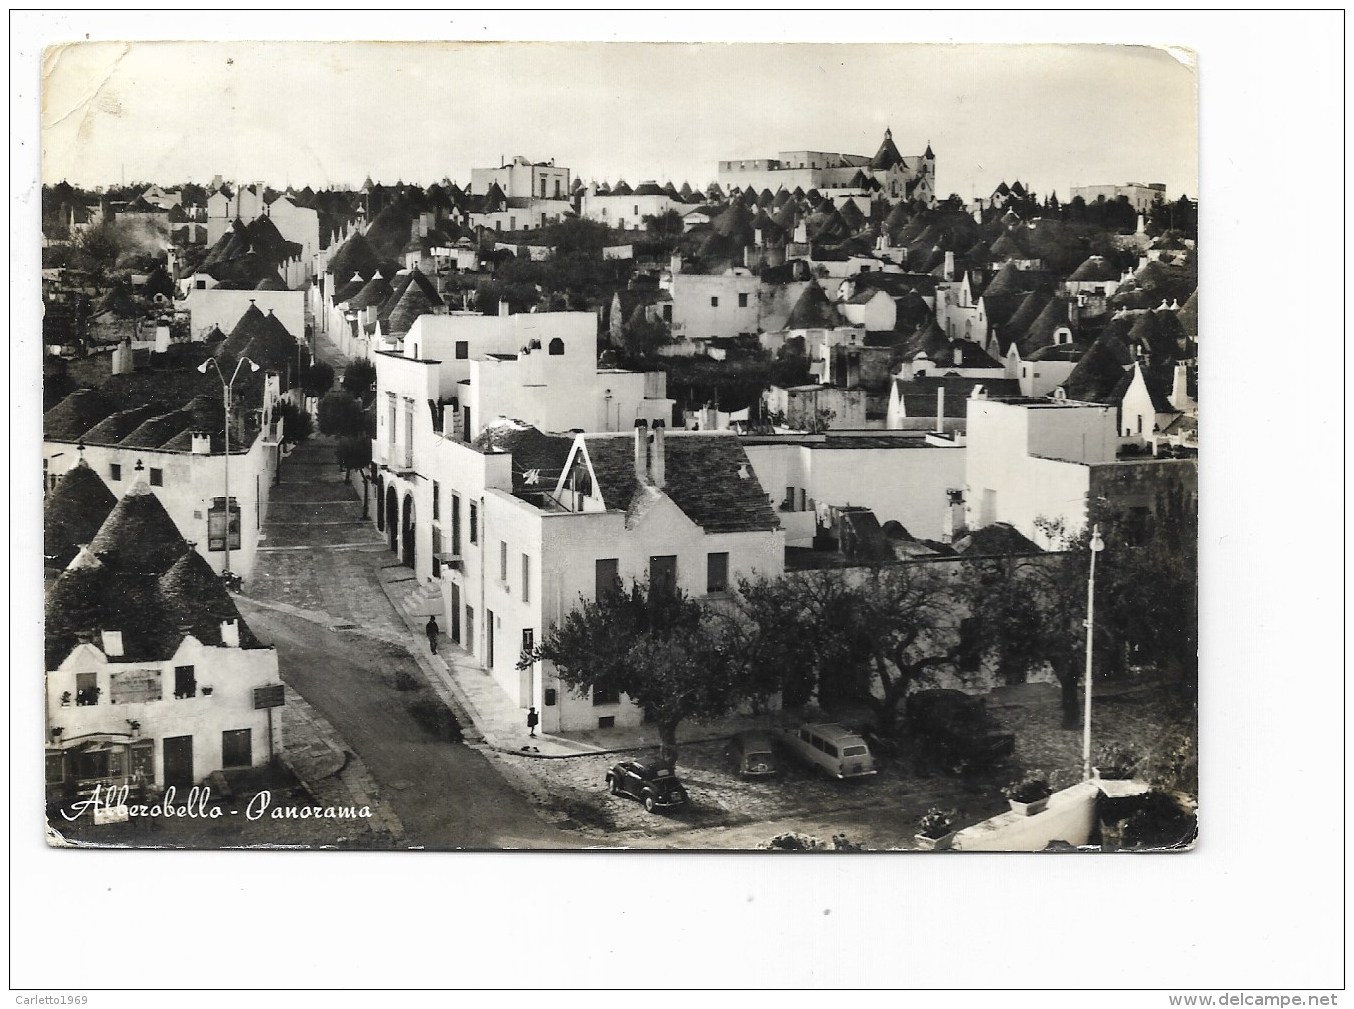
(323, 114)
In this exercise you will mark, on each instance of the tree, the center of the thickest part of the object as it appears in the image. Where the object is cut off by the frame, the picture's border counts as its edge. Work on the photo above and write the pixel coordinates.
(660, 648)
(354, 453)
(297, 424)
(359, 379)
(642, 337)
(96, 252)
(867, 635)
(318, 379)
(666, 228)
(341, 414)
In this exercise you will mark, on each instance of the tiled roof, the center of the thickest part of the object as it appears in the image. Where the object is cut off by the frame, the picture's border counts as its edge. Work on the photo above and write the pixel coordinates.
(1188, 316)
(373, 292)
(93, 597)
(1010, 280)
(138, 534)
(1095, 268)
(1100, 372)
(195, 597)
(537, 458)
(115, 427)
(155, 431)
(1160, 333)
(76, 414)
(920, 394)
(996, 540)
(252, 325)
(1022, 318)
(708, 476)
(812, 310)
(354, 256)
(1041, 330)
(72, 513)
(887, 156)
(419, 297)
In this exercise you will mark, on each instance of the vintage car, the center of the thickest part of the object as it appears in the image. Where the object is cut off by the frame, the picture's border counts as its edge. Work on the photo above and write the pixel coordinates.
(952, 731)
(753, 754)
(833, 748)
(650, 780)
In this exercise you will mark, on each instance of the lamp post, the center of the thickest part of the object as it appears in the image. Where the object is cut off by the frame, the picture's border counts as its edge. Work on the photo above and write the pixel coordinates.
(1097, 545)
(226, 387)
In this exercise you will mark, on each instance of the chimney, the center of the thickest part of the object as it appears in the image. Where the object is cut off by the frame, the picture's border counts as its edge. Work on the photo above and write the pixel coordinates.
(202, 443)
(949, 266)
(1180, 386)
(502, 306)
(641, 449)
(675, 263)
(230, 633)
(958, 356)
(940, 409)
(112, 644)
(657, 461)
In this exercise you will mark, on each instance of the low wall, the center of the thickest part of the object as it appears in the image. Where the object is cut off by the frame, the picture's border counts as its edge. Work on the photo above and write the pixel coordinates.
(1070, 817)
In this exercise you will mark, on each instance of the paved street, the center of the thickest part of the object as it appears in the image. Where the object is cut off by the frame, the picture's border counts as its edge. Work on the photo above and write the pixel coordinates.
(320, 556)
(446, 794)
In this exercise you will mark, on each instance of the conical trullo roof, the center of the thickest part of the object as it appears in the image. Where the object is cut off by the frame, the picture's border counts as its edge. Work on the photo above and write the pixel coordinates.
(196, 598)
(813, 311)
(138, 534)
(73, 512)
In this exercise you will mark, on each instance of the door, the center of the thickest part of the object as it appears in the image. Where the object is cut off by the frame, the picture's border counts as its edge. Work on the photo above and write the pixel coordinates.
(178, 761)
(470, 629)
(455, 613)
(489, 638)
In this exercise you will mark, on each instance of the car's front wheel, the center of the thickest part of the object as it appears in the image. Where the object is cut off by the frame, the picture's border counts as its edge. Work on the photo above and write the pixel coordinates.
(649, 804)
(614, 786)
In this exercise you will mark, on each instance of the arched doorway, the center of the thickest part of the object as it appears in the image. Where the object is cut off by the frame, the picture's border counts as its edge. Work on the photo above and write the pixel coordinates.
(380, 499)
(407, 554)
(392, 518)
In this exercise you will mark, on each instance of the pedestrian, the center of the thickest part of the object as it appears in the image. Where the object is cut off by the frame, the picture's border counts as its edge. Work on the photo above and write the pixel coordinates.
(533, 720)
(431, 629)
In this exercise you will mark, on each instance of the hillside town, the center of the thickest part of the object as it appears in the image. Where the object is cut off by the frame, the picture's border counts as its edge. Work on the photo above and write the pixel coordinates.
(810, 505)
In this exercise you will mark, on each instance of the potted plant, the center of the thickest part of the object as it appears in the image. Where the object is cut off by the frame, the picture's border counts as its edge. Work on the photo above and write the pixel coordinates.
(206, 691)
(1028, 794)
(936, 830)
(65, 698)
(1114, 762)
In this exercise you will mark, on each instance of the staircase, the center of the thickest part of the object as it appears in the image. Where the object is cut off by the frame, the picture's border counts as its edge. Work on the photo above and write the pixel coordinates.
(418, 602)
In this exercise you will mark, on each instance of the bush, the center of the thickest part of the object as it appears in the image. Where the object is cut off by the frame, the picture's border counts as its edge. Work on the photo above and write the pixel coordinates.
(340, 413)
(359, 379)
(297, 424)
(319, 379)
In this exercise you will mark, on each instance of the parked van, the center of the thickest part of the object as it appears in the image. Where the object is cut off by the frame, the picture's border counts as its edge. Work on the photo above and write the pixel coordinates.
(836, 749)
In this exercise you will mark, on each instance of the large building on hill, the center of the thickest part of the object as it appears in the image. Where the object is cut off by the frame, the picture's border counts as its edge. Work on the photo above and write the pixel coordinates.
(895, 177)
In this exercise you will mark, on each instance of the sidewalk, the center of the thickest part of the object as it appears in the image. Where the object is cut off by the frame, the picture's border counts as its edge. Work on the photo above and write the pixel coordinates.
(473, 692)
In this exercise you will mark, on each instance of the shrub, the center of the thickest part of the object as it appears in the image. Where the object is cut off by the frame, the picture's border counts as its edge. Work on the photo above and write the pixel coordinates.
(359, 379)
(297, 424)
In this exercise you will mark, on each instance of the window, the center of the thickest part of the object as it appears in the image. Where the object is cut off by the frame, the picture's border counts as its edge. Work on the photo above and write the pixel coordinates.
(462, 350)
(437, 500)
(157, 477)
(714, 302)
(557, 190)
(474, 523)
(969, 655)
(114, 471)
(185, 682)
(86, 689)
(606, 722)
(742, 301)
(605, 697)
(502, 561)
(663, 574)
(667, 313)
(219, 525)
(717, 572)
(456, 525)
(636, 209)
(608, 575)
(236, 749)
(556, 347)
(526, 579)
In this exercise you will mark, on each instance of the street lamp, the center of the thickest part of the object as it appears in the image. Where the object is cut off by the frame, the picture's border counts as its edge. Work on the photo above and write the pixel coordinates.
(226, 387)
(1097, 545)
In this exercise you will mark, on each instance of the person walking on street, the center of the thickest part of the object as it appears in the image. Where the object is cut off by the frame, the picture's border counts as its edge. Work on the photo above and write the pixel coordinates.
(533, 720)
(432, 632)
